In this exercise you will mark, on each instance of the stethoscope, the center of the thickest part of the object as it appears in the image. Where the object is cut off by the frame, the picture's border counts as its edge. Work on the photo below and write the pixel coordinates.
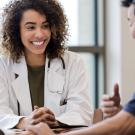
(62, 60)
(63, 100)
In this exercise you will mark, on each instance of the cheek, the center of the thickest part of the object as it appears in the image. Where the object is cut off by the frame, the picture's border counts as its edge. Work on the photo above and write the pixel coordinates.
(22, 35)
(23, 39)
(25, 36)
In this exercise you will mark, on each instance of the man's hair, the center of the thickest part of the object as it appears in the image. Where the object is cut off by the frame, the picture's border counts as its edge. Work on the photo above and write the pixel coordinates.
(127, 3)
(52, 9)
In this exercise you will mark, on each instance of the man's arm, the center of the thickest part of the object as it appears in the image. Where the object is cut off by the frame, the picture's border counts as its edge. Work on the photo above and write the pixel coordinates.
(121, 124)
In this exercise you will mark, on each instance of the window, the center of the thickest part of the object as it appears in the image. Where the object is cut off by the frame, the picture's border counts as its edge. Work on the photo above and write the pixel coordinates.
(86, 27)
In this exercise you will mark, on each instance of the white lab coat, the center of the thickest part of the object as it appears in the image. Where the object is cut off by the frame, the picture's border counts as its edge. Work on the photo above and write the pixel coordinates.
(71, 83)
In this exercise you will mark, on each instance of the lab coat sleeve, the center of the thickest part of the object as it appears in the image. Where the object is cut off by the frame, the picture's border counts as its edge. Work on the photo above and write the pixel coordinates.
(8, 121)
(77, 110)
(7, 117)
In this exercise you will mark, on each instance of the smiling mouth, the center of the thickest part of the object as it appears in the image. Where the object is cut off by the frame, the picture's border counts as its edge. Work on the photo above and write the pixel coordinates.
(38, 43)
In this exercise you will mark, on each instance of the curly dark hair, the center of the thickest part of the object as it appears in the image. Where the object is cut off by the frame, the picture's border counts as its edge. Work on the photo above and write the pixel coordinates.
(52, 9)
(127, 3)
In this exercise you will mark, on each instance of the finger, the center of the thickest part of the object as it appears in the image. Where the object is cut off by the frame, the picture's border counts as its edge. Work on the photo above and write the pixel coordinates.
(107, 104)
(26, 133)
(42, 111)
(41, 128)
(45, 117)
(48, 117)
(116, 96)
(106, 97)
(36, 107)
(35, 128)
(108, 115)
(47, 110)
(50, 123)
(116, 90)
(110, 110)
(37, 113)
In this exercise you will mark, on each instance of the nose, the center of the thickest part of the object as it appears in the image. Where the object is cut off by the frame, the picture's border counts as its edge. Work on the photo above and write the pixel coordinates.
(39, 33)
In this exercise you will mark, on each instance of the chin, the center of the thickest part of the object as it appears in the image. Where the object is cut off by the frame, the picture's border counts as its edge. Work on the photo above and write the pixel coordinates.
(39, 52)
(42, 51)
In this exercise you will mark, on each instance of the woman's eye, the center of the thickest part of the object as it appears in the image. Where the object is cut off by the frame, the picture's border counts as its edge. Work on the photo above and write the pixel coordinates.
(46, 26)
(30, 27)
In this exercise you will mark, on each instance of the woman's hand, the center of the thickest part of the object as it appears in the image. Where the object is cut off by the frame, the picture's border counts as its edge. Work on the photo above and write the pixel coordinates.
(111, 105)
(41, 114)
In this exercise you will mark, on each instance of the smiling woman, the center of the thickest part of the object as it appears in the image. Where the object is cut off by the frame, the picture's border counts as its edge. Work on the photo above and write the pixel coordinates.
(37, 70)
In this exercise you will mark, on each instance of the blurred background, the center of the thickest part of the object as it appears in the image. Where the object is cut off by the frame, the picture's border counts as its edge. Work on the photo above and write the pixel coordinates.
(99, 32)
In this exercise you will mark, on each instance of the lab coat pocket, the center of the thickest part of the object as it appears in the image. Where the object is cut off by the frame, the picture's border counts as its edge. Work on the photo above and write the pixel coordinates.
(55, 82)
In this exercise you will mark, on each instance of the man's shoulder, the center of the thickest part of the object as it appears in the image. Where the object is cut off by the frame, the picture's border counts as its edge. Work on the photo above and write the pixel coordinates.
(130, 106)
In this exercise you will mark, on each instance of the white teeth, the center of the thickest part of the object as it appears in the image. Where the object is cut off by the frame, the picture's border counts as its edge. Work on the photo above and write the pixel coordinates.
(37, 43)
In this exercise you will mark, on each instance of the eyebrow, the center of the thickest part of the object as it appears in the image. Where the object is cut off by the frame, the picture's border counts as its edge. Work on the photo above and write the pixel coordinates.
(33, 23)
(27, 23)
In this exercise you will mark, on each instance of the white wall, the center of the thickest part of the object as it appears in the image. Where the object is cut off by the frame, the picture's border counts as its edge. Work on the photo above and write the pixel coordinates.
(120, 51)
(128, 58)
(113, 44)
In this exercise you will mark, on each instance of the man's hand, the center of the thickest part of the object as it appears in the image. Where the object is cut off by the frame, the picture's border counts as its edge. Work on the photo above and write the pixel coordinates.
(111, 105)
(40, 129)
(26, 133)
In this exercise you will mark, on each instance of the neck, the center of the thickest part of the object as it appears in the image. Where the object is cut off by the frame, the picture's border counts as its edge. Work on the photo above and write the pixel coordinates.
(35, 60)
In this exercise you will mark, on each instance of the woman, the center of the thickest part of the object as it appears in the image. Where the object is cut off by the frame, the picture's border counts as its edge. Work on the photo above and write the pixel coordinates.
(40, 81)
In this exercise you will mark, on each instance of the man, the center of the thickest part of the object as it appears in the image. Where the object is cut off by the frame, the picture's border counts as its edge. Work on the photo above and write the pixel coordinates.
(121, 124)
(111, 105)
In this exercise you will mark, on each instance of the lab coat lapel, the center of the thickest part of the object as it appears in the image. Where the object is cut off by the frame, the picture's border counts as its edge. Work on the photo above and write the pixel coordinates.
(21, 86)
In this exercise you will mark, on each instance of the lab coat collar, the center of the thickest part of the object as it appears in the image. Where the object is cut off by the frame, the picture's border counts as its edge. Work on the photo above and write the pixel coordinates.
(20, 66)
(21, 86)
